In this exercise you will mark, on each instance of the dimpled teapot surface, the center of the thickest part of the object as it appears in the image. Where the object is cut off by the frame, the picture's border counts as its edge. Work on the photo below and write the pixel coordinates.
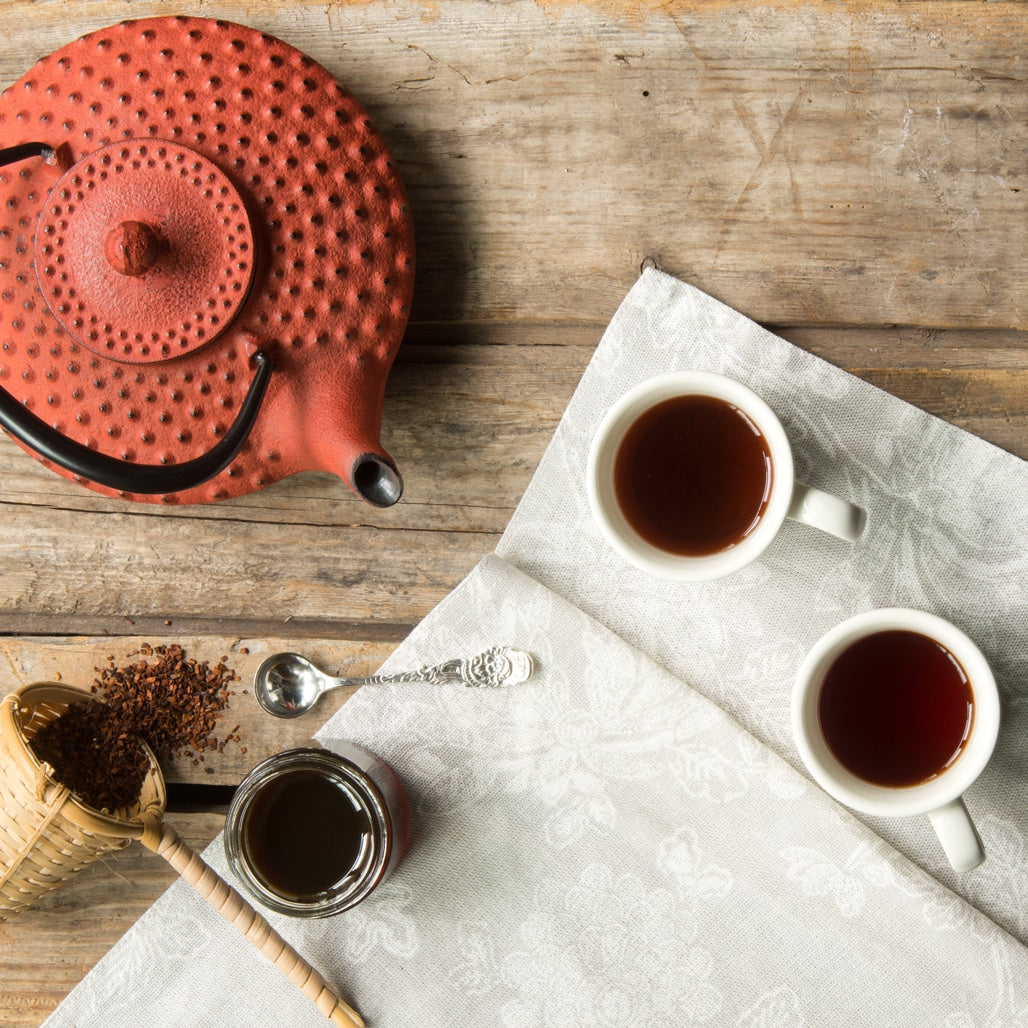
(206, 266)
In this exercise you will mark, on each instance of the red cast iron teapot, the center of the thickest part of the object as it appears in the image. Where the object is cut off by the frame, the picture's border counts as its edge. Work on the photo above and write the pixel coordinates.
(206, 266)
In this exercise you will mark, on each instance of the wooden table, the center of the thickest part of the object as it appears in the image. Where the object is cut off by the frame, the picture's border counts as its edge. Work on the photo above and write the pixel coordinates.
(851, 176)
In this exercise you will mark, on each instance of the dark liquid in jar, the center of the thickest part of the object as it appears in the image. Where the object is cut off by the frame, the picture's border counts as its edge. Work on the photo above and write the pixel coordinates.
(304, 834)
(693, 475)
(896, 708)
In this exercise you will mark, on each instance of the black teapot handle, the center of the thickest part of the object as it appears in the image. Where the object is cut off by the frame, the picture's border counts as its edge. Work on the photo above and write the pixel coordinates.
(125, 476)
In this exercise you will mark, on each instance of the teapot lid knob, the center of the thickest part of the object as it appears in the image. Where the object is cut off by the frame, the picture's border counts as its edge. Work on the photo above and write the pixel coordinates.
(132, 247)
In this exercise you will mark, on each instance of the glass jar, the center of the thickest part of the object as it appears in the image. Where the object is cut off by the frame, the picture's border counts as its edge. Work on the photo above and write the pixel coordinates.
(311, 832)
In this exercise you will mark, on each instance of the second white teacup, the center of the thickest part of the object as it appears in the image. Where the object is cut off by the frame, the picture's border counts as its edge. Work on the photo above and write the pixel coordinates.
(895, 713)
(690, 476)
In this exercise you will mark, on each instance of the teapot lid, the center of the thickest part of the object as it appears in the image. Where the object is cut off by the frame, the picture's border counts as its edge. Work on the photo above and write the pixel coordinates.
(144, 251)
(218, 203)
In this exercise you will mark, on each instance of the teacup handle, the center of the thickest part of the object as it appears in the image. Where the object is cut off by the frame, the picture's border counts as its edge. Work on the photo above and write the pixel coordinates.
(822, 510)
(958, 835)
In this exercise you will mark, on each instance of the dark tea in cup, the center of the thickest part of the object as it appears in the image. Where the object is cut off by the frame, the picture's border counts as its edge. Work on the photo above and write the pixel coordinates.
(896, 708)
(690, 476)
(693, 475)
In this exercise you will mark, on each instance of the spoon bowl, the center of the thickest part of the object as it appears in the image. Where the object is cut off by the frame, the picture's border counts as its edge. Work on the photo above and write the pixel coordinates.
(288, 684)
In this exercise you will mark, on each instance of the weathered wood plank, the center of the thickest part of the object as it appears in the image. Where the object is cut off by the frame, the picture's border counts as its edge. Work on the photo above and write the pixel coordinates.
(301, 569)
(807, 162)
(76, 661)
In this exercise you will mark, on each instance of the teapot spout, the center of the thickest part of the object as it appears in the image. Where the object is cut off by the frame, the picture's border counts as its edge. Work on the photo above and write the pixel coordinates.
(346, 443)
(339, 402)
(374, 478)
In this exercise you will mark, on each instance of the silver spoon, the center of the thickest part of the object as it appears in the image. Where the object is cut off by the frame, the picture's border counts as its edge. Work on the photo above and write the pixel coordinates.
(288, 685)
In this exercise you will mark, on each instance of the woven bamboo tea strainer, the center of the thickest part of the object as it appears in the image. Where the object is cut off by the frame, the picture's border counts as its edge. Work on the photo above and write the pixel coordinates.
(47, 835)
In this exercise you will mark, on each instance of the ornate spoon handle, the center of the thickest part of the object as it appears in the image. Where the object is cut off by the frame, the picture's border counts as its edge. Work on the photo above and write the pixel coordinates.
(495, 667)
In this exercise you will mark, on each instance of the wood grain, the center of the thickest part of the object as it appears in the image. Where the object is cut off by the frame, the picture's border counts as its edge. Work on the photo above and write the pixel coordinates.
(849, 175)
(805, 162)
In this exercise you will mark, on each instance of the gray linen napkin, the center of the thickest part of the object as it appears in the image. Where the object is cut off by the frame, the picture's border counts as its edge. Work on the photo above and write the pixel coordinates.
(620, 840)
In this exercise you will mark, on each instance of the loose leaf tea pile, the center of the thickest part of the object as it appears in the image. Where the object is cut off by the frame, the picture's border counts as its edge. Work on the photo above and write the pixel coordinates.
(171, 701)
(167, 699)
(93, 756)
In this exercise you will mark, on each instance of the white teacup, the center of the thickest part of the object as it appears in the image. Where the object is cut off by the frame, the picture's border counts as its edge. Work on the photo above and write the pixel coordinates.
(940, 796)
(785, 496)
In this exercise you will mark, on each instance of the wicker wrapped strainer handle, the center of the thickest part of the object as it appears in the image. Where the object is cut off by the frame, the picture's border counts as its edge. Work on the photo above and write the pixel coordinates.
(165, 841)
